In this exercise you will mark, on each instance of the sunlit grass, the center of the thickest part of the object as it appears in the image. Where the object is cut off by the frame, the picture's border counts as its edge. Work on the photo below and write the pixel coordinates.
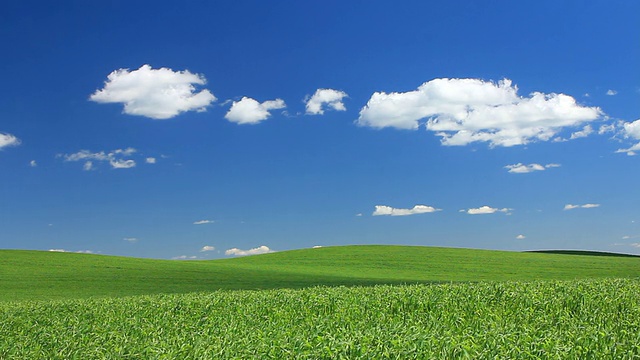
(584, 319)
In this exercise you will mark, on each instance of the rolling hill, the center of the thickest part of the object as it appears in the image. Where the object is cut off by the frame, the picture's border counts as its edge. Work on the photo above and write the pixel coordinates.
(39, 275)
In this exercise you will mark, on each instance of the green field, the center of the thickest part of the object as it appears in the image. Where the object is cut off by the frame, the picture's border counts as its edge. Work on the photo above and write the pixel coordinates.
(351, 302)
(37, 275)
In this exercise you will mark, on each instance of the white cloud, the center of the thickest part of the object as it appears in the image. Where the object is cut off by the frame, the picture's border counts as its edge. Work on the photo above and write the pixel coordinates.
(520, 168)
(184, 257)
(130, 239)
(57, 250)
(388, 210)
(207, 248)
(202, 222)
(486, 210)
(250, 111)
(521, 237)
(606, 128)
(329, 97)
(114, 158)
(255, 251)
(150, 160)
(586, 131)
(611, 92)
(33, 163)
(635, 245)
(7, 140)
(585, 206)
(154, 93)
(631, 130)
(462, 111)
(316, 246)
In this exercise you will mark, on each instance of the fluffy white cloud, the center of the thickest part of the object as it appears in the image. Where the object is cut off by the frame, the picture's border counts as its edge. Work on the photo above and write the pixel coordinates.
(611, 92)
(462, 111)
(33, 163)
(631, 130)
(520, 168)
(207, 248)
(521, 237)
(255, 251)
(486, 210)
(585, 206)
(329, 97)
(150, 160)
(114, 158)
(7, 140)
(154, 93)
(388, 210)
(250, 111)
(202, 222)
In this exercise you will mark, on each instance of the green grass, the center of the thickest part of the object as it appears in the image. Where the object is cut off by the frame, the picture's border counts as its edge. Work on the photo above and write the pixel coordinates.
(579, 319)
(34, 275)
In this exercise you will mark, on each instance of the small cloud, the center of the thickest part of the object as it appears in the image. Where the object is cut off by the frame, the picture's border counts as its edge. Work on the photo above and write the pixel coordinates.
(202, 222)
(154, 93)
(184, 257)
(585, 206)
(317, 247)
(130, 239)
(388, 210)
(207, 248)
(7, 140)
(329, 97)
(116, 158)
(255, 251)
(33, 163)
(635, 245)
(486, 210)
(521, 237)
(631, 130)
(359, 214)
(586, 131)
(606, 128)
(57, 250)
(611, 92)
(84, 252)
(150, 160)
(520, 168)
(250, 111)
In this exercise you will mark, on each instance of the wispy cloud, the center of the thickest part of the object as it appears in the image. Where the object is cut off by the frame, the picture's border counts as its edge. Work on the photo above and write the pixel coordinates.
(250, 111)
(255, 251)
(586, 131)
(130, 239)
(203, 222)
(611, 92)
(520, 168)
(486, 210)
(463, 111)
(585, 206)
(325, 98)
(154, 93)
(184, 257)
(117, 159)
(207, 248)
(388, 210)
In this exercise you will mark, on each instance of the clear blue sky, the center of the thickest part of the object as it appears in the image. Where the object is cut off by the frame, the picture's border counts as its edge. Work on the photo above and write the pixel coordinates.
(203, 129)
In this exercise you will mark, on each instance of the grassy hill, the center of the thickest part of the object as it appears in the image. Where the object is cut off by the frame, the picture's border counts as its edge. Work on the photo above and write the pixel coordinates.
(35, 275)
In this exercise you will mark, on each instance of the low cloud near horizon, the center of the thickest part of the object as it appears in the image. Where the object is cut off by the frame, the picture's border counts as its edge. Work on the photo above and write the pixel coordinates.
(255, 251)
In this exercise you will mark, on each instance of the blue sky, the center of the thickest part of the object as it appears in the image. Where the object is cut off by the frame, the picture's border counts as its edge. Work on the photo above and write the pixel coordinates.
(207, 129)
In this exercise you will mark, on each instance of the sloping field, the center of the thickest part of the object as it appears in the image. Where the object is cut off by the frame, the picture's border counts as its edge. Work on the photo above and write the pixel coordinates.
(37, 275)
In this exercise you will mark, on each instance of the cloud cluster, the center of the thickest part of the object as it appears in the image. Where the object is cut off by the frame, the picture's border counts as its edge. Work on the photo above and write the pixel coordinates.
(463, 111)
(7, 140)
(486, 210)
(520, 168)
(585, 206)
(388, 210)
(331, 98)
(631, 130)
(154, 93)
(255, 251)
(250, 111)
(116, 158)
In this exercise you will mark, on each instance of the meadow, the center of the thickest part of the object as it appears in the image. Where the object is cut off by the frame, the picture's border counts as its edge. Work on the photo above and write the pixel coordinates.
(355, 302)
